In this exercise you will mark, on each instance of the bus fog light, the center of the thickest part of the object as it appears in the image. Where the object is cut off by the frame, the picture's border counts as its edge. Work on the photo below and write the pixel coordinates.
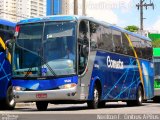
(18, 88)
(67, 86)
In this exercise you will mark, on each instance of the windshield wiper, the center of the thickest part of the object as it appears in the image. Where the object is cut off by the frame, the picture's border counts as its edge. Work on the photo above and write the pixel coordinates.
(30, 69)
(49, 67)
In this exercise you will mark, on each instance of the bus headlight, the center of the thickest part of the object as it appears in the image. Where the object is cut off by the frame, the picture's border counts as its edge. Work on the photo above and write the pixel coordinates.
(68, 86)
(18, 88)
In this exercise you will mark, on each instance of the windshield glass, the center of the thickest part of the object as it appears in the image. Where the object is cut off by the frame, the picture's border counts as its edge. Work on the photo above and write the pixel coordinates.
(45, 49)
(156, 67)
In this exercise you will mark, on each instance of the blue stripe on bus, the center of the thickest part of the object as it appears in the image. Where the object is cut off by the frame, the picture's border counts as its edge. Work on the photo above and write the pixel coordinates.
(45, 84)
(121, 84)
(5, 75)
(48, 18)
(6, 22)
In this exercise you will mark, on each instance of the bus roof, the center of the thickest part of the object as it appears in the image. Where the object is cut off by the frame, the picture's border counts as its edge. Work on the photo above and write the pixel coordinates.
(74, 17)
(130, 33)
(8, 23)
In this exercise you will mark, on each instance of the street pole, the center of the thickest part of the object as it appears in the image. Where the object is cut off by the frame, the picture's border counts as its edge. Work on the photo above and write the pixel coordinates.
(75, 7)
(141, 14)
(84, 7)
(140, 7)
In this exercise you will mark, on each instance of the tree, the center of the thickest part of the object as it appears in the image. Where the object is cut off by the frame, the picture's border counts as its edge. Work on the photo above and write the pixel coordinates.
(132, 28)
(156, 43)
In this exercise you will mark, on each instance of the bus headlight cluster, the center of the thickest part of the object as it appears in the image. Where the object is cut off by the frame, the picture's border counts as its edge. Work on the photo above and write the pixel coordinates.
(67, 86)
(18, 88)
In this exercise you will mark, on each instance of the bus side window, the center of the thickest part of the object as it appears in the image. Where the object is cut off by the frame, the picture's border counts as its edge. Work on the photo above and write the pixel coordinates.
(143, 48)
(127, 49)
(147, 50)
(93, 35)
(116, 36)
(100, 40)
(107, 39)
(137, 45)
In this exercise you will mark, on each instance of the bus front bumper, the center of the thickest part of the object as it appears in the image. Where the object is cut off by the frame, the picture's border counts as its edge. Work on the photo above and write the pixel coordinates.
(45, 95)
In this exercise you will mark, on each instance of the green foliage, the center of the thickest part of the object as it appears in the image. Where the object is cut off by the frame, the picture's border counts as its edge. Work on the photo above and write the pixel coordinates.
(156, 43)
(132, 28)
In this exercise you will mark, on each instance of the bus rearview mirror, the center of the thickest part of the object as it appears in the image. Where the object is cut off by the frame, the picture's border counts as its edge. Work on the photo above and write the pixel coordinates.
(85, 50)
(83, 41)
(8, 43)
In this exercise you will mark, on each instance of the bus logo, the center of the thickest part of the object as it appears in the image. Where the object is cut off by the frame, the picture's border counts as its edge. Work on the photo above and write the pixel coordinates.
(114, 64)
(67, 81)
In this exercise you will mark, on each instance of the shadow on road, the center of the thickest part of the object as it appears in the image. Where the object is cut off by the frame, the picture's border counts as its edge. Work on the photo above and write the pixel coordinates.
(74, 107)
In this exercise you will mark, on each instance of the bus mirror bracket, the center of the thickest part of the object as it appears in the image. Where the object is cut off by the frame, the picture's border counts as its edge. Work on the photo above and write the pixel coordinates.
(85, 50)
(83, 41)
(8, 44)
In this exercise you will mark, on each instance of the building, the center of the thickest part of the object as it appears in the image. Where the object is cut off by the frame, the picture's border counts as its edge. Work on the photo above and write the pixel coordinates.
(15, 10)
(65, 7)
(57, 7)
(8, 9)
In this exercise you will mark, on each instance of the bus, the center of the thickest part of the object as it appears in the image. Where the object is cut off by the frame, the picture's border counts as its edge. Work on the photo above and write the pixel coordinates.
(156, 60)
(107, 63)
(6, 94)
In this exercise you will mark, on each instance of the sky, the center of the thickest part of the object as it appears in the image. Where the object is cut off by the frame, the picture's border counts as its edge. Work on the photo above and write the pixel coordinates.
(123, 12)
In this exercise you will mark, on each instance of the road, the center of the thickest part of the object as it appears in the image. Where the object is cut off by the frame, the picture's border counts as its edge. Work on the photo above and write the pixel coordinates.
(29, 111)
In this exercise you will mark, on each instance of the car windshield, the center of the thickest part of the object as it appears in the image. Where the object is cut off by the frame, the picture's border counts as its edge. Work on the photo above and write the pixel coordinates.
(45, 49)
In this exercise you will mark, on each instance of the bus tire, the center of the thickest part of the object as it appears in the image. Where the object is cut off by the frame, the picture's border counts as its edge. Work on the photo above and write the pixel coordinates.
(9, 102)
(101, 104)
(93, 104)
(139, 98)
(130, 103)
(41, 105)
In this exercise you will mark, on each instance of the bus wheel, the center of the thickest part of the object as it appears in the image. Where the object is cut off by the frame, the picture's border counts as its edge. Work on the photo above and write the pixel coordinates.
(130, 103)
(42, 105)
(9, 102)
(93, 104)
(139, 98)
(102, 104)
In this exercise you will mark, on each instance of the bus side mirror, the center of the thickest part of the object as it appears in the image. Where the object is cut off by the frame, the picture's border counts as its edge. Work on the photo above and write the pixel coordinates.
(8, 44)
(85, 50)
(80, 41)
(83, 41)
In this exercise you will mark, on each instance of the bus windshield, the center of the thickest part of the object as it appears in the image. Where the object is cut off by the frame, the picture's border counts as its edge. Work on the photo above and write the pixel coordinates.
(45, 49)
(156, 67)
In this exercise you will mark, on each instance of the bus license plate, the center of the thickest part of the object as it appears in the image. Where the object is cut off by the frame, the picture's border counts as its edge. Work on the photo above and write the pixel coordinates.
(41, 95)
